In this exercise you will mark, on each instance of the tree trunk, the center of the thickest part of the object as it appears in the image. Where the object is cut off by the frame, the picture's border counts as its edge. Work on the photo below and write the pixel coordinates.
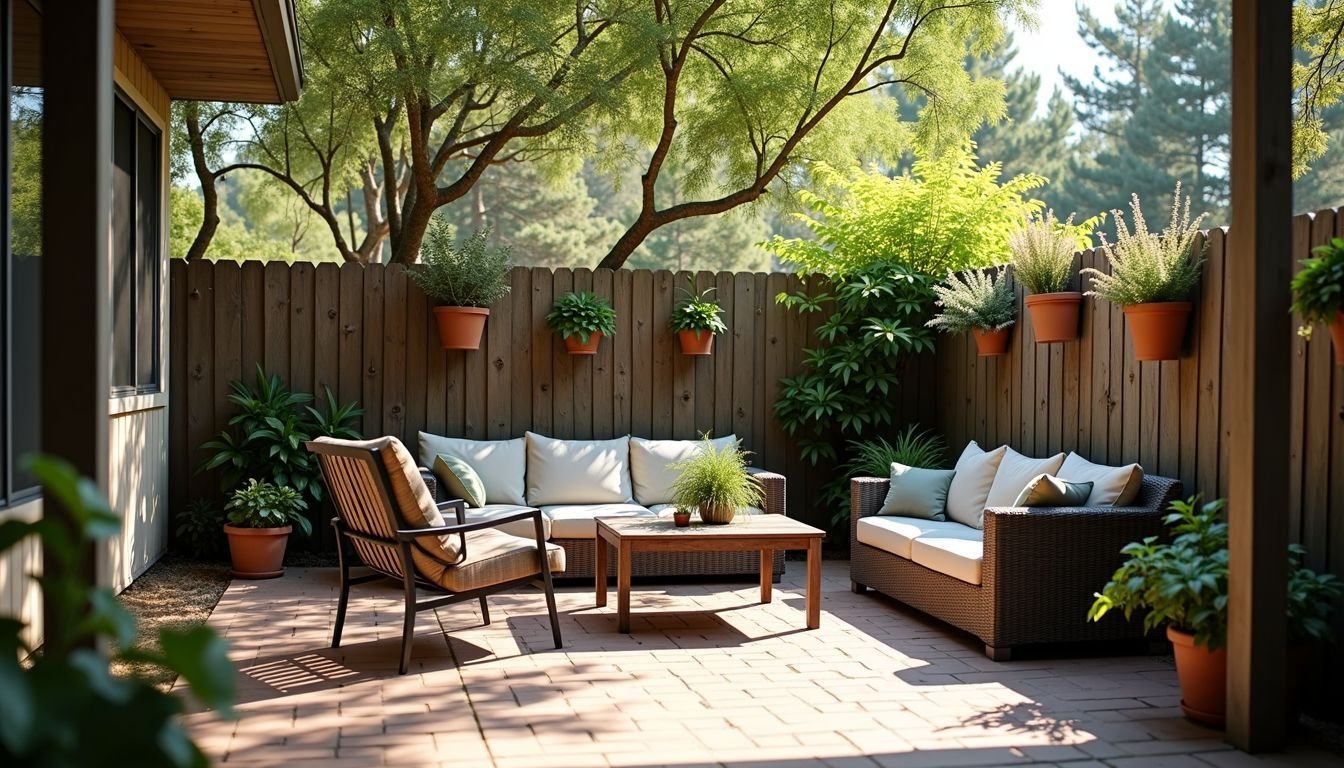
(635, 234)
(210, 218)
(414, 222)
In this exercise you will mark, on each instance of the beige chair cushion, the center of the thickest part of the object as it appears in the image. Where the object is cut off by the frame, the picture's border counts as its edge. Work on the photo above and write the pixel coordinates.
(917, 492)
(459, 479)
(1015, 471)
(650, 474)
(1111, 486)
(494, 557)
(575, 521)
(521, 528)
(499, 463)
(1050, 491)
(577, 471)
(969, 492)
(958, 554)
(894, 534)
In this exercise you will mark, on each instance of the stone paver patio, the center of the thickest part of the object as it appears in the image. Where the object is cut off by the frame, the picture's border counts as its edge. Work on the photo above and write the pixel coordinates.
(708, 676)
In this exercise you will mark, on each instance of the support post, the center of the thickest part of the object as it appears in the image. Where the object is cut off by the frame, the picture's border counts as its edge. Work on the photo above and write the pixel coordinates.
(1257, 391)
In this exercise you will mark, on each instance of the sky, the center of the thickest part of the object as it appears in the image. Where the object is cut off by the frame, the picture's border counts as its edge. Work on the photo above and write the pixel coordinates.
(1055, 43)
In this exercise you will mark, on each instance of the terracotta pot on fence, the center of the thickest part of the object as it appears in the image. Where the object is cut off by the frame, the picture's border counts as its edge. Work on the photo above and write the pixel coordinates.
(1158, 329)
(991, 343)
(1337, 334)
(460, 327)
(574, 344)
(696, 342)
(257, 553)
(717, 514)
(1203, 675)
(1054, 316)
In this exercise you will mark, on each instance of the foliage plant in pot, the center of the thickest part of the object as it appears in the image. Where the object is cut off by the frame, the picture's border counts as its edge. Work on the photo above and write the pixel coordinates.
(1151, 278)
(1318, 293)
(464, 279)
(261, 516)
(1043, 253)
(716, 482)
(978, 303)
(695, 320)
(582, 319)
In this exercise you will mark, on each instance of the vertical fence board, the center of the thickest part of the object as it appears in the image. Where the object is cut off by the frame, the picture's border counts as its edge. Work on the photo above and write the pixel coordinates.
(371, 368)
(543, 286)
(394, 350)
(1316, 490)
(703, 417)
(604, 364)
(228, 340)
(623, 365)
(301, 296)
(582, 376)
(663, 366)
(563, 364)
(415, 315)
(178, 460)
(276, 340)
(350, 347)
(520, 308)
(743, 334)
(1210, 367)
(326, 327)
(254, 317)
(200, 367)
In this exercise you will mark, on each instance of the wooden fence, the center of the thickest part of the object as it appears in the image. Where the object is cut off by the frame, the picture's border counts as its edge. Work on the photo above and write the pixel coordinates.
(369, 334)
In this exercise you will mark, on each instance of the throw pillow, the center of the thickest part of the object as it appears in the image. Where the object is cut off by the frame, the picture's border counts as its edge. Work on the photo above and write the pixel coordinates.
(499, 463)
(974, 476)
(917, 492)
(650, 473)
(460, 479)
(1015, 471)
(577, 471)
(1050, 491)
(1111, 486)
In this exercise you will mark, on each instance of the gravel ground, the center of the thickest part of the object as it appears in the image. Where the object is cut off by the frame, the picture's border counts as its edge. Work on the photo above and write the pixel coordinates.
(174, 593)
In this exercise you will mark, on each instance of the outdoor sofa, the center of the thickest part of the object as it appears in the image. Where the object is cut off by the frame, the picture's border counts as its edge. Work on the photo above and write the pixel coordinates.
(1024, 575)
(573, 482)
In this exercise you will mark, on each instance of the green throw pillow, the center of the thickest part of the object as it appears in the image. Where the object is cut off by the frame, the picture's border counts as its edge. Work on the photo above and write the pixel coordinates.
(1050, 491)
(460, 479)
(917, 492)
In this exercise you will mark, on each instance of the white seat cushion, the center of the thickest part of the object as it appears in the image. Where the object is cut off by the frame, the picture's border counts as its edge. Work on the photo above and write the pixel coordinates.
(894, 534)
(1015, 472)
(650, 474)
(577, 471)
(666, 510)
(575, 521)
(953, 553)
(499, 463)
(1111, 486)
(969, 491)
(521, 528)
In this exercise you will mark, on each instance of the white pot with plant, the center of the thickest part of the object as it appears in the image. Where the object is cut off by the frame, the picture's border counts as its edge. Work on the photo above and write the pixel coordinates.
(716, 482)
(464, 279)
(1043, 255)
(1151, 278)
(978, 303)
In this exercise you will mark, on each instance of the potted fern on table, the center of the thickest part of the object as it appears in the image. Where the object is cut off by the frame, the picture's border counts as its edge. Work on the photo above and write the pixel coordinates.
(1318, 293)
(978, 303)
(696, 320)
(464, 279)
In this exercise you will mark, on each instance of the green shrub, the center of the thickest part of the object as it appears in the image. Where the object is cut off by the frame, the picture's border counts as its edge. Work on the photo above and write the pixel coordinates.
(717, 477)
(199, 529)
(697, 312)
(469, 275)
(975, 300)
(1148, 267)
(262, 505)
(1318, 290)
(914, 447)
(582, 315)
(1043, 251)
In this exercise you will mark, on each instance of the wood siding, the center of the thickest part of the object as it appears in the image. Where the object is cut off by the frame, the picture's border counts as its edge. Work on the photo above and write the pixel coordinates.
(137, 481)
(134, 77)
(20, 596)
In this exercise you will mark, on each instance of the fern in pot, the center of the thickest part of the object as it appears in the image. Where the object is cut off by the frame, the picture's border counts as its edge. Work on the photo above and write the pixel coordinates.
(1043, 254)
(1318, 293)
(716, 482)
(979, 303)
(464, 279)
(582, 319)
(696, 319)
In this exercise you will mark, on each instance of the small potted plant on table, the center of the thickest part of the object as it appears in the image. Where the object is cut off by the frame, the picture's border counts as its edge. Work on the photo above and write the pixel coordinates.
(465, 280)
(978, 303)
(716, 482)
(261, 516)
(1043, 251)
(582, 319)
(681, 517)
(1318, 293)
(696, 319)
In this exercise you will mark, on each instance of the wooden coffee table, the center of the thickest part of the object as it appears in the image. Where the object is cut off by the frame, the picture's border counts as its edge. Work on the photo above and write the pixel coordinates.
(761, 533)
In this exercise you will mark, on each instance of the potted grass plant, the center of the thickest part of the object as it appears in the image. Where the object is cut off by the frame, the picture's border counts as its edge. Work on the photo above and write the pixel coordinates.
(716, 482)
(1151, 277)
(1318, 293)
(1043, 253)
(696, 320)
(464, 279)
(260, 518)
(582, 319)
(978, 303)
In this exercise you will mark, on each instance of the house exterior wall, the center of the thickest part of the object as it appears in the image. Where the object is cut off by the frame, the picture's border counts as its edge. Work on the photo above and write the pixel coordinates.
(19, 594)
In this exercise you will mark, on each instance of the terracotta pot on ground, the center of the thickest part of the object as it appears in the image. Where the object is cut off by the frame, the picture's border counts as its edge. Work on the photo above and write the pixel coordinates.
(717, 514)
(574, 344)
(460, 327)
(1203, 675)
(1337, 333)
(1158, 329)
(257, 553)
(696, 342)
(991, 343)
(1054, 316)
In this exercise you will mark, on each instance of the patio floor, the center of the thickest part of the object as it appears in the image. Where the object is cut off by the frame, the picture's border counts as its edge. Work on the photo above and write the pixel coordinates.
(708, 676)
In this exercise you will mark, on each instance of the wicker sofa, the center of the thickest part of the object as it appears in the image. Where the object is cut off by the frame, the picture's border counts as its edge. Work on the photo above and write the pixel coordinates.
(571, 524)
(1039, 569)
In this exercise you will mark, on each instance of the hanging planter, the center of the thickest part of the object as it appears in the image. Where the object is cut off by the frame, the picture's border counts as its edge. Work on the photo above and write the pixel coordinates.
(460, 327)
(578, 345)
(1158, 329)
(978, 303)
(1337, 334)
(1054, 316)
(991, 343)
(1318, 293)
(582, 319)
(465, 279)
(696, 319)
(1043, 255)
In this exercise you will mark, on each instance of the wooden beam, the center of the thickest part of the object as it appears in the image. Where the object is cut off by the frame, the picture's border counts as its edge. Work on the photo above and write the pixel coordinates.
(1257, 384)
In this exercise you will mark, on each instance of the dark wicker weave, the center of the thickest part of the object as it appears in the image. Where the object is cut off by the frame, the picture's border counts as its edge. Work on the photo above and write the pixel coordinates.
(580, 555)
(1041, 567)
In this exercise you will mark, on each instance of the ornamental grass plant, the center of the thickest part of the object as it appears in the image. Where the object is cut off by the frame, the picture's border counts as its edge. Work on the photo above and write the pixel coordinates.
(1043, 252)
(974, 300)
(1148, 267)
(716, 477)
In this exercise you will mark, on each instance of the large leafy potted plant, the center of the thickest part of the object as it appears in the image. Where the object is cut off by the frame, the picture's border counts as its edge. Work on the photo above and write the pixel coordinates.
(716, 482)
(1151, 278)
(582, 319)
(978, 303)
(1043, 251)
(1318, 293)
(464, 279)
(261, 516)
(696, 319)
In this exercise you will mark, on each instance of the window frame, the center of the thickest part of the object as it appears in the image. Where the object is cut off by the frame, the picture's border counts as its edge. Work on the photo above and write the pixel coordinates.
(142, 119)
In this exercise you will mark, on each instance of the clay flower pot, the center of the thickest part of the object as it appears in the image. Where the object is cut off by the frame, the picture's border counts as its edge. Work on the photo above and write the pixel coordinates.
(696, 342)
(991, 343)
(1158, 329)
(460, 327)
(682, 519)
(1203, 675)
(574, 344)
(1337, 334)
(257, 553)
(717, 514)
(1054, 316)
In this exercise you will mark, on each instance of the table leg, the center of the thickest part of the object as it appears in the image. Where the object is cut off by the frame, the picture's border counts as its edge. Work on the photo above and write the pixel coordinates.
(814, 583)
(600, 571)
(623, 587)
(767, 574)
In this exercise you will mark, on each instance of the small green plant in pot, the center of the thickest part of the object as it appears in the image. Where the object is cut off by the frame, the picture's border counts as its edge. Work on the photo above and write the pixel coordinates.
(1043, 255)
(464, 279)
(979, 303)
(1318, 293)
(716, 482)
(1152, 276)
(582, 319)
(695, 320)
(260, 518)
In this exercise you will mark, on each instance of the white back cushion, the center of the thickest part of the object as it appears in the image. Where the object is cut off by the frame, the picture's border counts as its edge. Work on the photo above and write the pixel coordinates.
(969, 492)
(1111, 486)
(649, 472)
(1015, 472)
(500, 463)
(577, 471)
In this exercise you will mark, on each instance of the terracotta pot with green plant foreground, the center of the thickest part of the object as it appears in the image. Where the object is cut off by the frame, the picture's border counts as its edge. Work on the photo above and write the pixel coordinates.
(1043, 255)
(979, 303)
(716, 482)
(465, 280)
(1318, 293)
(696, 320)
(582, 319)
(261, 516)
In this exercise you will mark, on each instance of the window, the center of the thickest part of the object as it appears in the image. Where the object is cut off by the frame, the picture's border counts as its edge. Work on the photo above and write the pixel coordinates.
(135, 270)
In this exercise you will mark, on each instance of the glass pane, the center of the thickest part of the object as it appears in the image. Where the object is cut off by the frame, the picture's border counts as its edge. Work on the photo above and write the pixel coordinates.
(147, 261)
(25, 239)
(123, 241)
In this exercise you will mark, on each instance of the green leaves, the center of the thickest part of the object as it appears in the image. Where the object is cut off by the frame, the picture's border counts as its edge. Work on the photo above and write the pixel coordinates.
(697, 312)
(1318, 289)
(469, 275)
(975, 300)
(1147, 266)
(582, 315)
(262, 505)
(716, 476)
